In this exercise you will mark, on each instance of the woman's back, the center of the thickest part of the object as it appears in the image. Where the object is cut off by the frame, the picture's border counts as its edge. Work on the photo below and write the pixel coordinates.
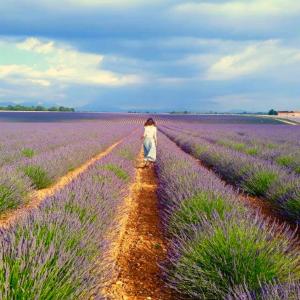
(150, 132)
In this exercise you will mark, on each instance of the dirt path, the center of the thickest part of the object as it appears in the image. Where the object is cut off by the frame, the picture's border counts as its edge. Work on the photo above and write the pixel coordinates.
(37, 197)
(141, 245)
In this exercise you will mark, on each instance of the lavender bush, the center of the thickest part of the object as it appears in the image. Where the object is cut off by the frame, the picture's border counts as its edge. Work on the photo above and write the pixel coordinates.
(277, 144)
(14, 188)
(216, 243)
(51, 158)
(275, 291)
(255, 176)
(58, 251)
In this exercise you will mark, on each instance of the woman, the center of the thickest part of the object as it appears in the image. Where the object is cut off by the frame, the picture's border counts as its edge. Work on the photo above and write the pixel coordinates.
(150, 142)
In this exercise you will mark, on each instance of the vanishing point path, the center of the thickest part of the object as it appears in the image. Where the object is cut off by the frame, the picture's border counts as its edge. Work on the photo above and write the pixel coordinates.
(141, 246)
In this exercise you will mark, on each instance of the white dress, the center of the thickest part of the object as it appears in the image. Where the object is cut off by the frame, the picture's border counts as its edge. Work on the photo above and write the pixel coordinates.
(150, 138)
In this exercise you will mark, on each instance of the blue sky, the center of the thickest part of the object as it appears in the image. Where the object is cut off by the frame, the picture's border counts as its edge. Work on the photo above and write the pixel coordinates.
(151, 55)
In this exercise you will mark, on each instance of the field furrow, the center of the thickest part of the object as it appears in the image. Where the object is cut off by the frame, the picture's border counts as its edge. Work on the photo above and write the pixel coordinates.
(141, 246)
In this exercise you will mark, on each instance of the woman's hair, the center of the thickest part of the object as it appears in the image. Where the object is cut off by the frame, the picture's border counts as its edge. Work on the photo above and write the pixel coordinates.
(150, 122)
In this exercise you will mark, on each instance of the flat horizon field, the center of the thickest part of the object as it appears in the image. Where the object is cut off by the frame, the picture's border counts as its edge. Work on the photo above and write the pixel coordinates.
(215, 216)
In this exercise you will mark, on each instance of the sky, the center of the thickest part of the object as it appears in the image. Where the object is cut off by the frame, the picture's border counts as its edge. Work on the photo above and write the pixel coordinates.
(121, 55)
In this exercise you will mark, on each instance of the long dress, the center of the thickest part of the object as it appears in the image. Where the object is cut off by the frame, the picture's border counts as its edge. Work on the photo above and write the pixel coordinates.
(150, 138)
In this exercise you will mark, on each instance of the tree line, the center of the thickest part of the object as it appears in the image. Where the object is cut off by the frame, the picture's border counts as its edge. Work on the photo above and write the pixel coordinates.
(36, 108)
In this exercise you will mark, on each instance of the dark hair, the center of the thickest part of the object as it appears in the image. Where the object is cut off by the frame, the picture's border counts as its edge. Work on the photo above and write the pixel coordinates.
(150, 122)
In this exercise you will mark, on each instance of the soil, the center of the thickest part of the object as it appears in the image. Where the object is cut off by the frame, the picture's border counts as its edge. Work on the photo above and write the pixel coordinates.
(141, 245)
(36, 197)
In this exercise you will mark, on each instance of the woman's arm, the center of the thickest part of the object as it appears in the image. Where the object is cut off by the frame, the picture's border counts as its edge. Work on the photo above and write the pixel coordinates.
(143, 136)
(155, 136)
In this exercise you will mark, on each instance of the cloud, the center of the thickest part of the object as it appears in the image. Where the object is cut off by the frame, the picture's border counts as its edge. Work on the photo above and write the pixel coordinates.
(241, 9)
(99, 3)
(171, 54)
(241, 18)
(253, 60)
(60, 63)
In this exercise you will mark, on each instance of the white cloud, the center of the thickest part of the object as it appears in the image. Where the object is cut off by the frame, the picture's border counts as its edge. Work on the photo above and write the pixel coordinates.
(235, 18)
(253, 60)
(90, 4)
(57, 64)
(240, 9)
(35, 45)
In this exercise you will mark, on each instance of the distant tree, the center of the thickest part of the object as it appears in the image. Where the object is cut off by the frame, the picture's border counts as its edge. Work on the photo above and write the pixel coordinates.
(53, 108)
(273, 112)
(40, 108)
(19, 107)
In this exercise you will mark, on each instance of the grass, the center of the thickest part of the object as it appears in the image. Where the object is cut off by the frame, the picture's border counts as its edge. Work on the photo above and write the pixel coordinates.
(118, 171)
(258, 183)
(38, 176)
(28, 152)
(231, 252)
(192, 210)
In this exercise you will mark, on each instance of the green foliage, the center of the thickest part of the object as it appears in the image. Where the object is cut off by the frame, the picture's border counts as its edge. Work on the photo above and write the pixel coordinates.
(52, 278)
(272, 112)
(251, 151)
(82, 213)
(259, 182)
(38, 176)
(28, 152)
(118, 171)
(238, 146)
(198, 149)
(232, 145)
(126, 153)
(233, 252)
(35, 108)
(7, 198)
(192, 210)
(271, 146)
(285, 160)
(292, 206)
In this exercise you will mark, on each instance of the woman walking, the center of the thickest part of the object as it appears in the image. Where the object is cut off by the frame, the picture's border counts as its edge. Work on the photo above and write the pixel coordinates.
(150, 142)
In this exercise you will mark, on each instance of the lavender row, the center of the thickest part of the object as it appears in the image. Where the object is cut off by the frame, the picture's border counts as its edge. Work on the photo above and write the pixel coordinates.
(254, 176)
(263, 134)
(19, 140)
(17, 180)
(217, 245)
(283, 150)
(29, 140)
(58, 251)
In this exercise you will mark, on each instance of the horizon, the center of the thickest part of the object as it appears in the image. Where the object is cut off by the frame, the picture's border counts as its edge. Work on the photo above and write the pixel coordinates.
(118, 56)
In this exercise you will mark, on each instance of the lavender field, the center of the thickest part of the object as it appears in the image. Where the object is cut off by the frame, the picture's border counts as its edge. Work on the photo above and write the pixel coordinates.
(217, 245)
